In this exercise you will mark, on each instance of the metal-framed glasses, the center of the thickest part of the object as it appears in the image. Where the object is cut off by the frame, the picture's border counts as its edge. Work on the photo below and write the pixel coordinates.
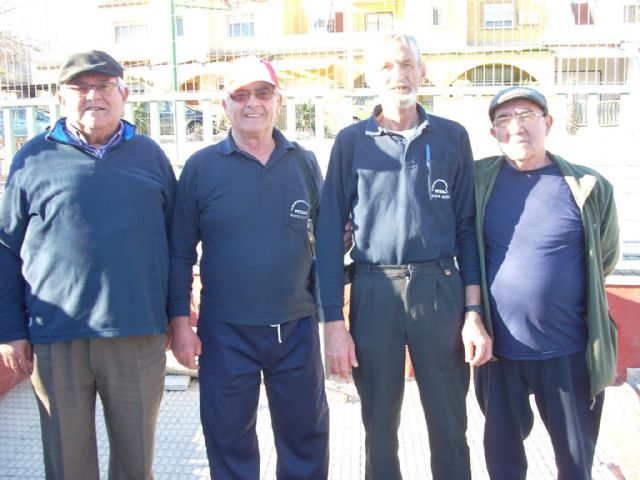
(522, 117)
(241, 96)
(83, 89)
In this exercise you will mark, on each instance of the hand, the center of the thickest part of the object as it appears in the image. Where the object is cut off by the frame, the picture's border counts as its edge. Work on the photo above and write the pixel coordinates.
(185, 344)
(477, 343)
(339, 349)
(18, 356)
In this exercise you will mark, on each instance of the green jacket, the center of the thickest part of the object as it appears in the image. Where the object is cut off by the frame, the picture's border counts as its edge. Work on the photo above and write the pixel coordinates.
(594, 196)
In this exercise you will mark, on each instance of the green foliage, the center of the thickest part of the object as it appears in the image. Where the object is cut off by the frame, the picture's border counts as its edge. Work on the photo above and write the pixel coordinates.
(141, 118)
(306, 118)
(573, 120)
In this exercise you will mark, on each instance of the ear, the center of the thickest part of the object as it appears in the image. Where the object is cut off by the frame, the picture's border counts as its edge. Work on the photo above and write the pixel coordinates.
(423, 72)
(548, 120)
(279, 103)
(125, 94)
(493, 133)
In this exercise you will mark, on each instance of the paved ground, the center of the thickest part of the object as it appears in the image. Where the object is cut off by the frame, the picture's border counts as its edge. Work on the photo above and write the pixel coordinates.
(180, 451)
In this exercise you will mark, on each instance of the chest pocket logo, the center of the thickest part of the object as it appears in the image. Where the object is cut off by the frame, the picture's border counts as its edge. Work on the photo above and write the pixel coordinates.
(298, 213)
(439, 189)
(300, 209)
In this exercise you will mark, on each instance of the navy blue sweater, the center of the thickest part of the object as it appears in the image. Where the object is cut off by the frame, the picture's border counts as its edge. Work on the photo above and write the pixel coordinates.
(252, 222)
(84, 241)
(410, 201)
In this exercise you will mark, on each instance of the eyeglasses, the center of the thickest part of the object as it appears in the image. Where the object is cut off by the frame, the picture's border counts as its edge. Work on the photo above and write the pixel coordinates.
(83, 89)
(242, 96)
(523, 117)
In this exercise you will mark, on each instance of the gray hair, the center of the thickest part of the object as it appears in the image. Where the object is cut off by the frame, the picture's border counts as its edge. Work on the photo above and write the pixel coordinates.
(122, 85)
(404, 39)
(372, 53)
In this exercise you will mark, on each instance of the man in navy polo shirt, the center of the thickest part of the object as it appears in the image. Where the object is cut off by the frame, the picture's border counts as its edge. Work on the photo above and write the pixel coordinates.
(245, 199)
(548, 235)
(405, 180)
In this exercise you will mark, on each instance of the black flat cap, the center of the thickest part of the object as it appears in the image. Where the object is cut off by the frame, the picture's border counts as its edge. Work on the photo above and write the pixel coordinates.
(511, 93)
(93, 61)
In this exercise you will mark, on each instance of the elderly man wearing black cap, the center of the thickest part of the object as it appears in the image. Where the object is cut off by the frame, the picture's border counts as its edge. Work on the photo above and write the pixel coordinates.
(84, 265)
(548, 235)
(249, 199)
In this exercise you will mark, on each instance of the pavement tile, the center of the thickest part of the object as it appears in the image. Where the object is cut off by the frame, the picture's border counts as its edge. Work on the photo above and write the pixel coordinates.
(181, 454)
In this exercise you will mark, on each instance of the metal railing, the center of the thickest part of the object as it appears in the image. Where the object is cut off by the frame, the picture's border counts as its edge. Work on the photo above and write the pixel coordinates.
(608, 113)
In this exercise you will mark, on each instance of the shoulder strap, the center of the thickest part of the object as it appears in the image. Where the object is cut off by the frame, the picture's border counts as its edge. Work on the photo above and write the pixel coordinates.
(308, 176)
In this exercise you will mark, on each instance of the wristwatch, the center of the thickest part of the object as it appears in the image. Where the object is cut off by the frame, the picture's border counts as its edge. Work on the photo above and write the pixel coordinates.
(474, 308)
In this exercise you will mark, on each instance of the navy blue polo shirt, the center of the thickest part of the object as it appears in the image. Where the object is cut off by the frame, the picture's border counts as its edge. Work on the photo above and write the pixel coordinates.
(252, 222)
(410, 200)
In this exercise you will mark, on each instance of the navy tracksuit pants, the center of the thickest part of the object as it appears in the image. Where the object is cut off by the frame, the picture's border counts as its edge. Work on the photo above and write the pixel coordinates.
(234, 360)
(560, 387)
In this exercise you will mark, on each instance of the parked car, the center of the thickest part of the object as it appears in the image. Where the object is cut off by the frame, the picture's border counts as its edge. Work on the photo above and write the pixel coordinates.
(362, 107)
(19, 123)
(194, 119)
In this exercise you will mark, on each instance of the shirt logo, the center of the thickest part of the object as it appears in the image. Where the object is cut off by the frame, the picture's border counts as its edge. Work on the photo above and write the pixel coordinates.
(440, 189)
(300, 209)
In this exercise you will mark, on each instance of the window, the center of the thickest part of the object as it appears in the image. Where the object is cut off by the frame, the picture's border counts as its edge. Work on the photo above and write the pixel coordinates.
(632, 14)
(436, 16)
(179, 27)
(336, 23)
(438, 13)
(499, 15)
(136, 88)
(496, 75)
(379, 21)
(240, 26)
(581, 13)
(131, 34)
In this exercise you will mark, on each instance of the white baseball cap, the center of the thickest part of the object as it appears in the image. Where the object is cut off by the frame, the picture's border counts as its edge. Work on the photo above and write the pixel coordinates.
(247, 70)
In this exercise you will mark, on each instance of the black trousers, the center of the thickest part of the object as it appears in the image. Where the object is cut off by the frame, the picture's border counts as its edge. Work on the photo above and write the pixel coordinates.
(419, 306)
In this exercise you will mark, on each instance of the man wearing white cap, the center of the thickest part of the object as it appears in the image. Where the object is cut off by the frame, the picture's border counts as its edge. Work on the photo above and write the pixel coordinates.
(245, 198)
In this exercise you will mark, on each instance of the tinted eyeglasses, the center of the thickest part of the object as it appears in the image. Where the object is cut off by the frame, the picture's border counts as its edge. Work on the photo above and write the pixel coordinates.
(522, 117)
(242, 96)
(83, 89)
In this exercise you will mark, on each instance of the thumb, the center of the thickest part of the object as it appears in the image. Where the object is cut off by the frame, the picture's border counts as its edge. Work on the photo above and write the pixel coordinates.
(352, 358)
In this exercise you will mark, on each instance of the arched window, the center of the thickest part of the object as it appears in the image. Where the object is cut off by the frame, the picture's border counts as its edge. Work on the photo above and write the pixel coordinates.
(495, 74)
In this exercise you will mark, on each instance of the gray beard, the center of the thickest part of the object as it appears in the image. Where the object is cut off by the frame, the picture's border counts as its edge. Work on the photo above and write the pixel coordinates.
(405, 101)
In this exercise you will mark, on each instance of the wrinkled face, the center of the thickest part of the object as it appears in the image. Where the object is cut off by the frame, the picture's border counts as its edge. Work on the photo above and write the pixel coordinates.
(396, 75)
(522, 131)
(92, 103)
(253, 108)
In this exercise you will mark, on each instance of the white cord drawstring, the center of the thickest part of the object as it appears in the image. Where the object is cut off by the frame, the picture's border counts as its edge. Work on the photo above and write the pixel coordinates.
(279, 336)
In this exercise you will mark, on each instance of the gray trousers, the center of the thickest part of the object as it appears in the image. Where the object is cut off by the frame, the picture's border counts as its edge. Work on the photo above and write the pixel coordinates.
(420, 306)
(128, 374)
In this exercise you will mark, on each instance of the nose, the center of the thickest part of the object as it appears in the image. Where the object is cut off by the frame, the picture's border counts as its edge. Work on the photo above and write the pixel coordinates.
(253, 99)
(515, 125)
(92, 93)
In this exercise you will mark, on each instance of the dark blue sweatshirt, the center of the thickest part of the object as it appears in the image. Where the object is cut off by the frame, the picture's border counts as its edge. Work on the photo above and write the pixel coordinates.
(410, 201)
(252, 222)
(84, 241)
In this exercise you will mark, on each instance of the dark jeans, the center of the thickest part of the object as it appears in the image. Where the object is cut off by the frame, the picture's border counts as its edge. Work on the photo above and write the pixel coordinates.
(420, 306)
(234, 357)
(560, 387)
